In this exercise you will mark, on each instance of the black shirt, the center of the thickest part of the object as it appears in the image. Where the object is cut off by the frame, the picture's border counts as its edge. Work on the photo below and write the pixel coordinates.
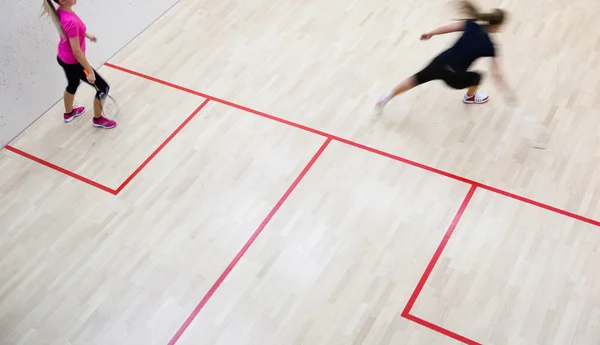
(473, 44)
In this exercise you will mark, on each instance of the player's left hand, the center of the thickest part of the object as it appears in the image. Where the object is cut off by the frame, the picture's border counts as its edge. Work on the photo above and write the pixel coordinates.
(92, 38)
(426, 36)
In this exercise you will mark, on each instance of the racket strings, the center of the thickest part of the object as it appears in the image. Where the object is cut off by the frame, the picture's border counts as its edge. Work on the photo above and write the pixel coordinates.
(110, 108)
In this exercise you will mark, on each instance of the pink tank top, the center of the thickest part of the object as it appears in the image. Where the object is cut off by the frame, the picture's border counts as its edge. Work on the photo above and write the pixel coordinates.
(73, 27)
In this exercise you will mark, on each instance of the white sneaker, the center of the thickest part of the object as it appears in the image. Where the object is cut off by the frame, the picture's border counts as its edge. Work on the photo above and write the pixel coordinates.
(478, 98)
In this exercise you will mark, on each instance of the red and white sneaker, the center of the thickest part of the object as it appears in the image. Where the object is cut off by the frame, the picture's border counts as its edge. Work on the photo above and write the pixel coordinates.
(477, 98)
(103, 122)
(77, 111)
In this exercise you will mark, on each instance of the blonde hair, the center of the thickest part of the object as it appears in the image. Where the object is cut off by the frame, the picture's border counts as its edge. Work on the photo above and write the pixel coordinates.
(49, 10)
(495, 17)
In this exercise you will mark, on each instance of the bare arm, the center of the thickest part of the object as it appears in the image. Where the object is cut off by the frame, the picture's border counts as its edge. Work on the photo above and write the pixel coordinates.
(454, 27)
(74, 41)
(91, 37)
(499, 79)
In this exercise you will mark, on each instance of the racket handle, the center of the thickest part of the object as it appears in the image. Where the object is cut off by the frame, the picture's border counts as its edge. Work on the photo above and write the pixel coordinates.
(87, 75)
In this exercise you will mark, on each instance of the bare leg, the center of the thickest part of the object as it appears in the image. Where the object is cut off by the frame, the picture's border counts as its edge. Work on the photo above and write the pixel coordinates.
(68, 100)
(97, 108)
(404, 86)
(472, 90)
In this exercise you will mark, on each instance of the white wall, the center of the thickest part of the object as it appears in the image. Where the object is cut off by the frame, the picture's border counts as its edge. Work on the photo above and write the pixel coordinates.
(31, 81)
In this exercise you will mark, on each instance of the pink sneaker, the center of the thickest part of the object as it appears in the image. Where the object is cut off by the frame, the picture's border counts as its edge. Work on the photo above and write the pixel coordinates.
(103, 122)
(77, 111)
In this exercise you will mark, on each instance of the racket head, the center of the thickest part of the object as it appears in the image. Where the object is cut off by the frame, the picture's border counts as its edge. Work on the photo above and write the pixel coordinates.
(110, 107)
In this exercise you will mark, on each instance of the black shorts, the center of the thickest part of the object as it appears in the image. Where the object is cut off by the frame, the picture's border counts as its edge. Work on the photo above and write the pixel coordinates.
(75, 74)
(438, 70)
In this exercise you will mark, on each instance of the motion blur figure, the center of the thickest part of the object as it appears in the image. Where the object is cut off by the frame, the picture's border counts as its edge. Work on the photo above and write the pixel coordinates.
(452, 65)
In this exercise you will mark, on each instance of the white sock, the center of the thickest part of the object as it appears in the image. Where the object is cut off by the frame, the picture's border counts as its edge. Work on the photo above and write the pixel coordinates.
(386, 98)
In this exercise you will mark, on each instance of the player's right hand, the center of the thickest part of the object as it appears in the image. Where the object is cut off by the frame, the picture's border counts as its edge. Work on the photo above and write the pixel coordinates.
(91, 77)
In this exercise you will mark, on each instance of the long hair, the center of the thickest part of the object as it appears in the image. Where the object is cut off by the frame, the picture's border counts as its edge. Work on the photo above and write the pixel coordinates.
(49, 10)
(495, 17)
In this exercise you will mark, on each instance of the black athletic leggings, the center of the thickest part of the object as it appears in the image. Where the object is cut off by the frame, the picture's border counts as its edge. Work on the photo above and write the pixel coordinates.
(75, 74)
(438, 70)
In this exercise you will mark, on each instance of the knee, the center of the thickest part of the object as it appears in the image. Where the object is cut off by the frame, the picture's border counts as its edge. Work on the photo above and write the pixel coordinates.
(102, 92)
(421, 78)
(72, 87)
(103, 88)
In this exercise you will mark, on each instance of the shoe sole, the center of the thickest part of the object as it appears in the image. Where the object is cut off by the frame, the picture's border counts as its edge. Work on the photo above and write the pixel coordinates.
(102, 126)
(482, 102)
(73, 117)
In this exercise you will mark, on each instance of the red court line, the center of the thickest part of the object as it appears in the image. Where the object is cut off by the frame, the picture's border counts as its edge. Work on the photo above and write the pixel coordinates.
(441, 330)
(538, 204)
(244, 249)
(156, 80)
(130, 178)
(363, 147)
(413, 298)
(61, 170)
(406, 161)
(218, 100)
(158, 149)
(471, 182)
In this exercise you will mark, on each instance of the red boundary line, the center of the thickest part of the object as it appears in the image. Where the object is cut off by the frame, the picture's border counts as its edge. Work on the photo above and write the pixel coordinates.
(128, 180)
(406, 312)
(413, 298)
(250, 241)
(439, 329)
(363, 147)
(158, 149)
(222, 101)
(61, 170)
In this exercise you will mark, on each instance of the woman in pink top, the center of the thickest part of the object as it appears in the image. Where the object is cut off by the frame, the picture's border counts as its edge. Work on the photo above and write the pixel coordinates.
(71, 56)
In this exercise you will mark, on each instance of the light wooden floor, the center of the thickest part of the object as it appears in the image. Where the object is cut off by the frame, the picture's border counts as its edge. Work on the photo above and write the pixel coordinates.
(257, 199)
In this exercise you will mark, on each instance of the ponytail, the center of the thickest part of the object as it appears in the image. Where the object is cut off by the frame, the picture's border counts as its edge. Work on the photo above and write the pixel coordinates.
(496, 17)
(49, 10)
